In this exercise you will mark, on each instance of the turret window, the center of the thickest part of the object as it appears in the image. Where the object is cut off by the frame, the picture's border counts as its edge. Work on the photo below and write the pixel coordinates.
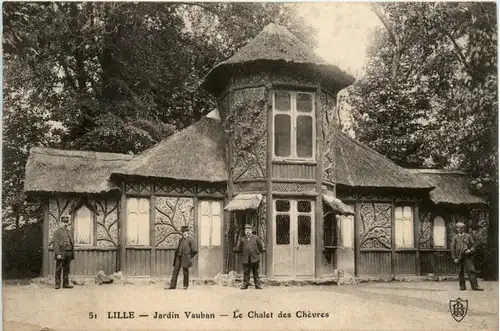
(294, 127)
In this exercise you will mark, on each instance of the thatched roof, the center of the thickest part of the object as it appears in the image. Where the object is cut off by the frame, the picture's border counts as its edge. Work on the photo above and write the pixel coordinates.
(452, 187)
(54, 170)
(358, 165)
(197, 153)
(275, 45)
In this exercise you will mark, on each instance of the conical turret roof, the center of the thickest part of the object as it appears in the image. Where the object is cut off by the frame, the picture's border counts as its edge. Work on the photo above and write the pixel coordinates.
(275, 45)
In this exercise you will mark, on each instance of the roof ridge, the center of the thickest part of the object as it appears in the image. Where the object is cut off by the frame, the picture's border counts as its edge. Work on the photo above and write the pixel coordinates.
(79, 153)
(438, 171)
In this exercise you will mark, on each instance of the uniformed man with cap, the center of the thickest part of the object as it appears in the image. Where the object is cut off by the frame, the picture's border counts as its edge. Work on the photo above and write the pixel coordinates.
(462, 247)
(63, 244)
(186, 250)
(250, 247)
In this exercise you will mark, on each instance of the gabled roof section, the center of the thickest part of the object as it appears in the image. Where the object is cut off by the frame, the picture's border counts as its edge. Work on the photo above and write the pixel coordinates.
(276, 45)
(358, 165)
(196, 153)
(452, 187)
(65, 171)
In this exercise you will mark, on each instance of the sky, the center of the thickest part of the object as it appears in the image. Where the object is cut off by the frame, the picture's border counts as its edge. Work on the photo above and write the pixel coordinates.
(343, 31)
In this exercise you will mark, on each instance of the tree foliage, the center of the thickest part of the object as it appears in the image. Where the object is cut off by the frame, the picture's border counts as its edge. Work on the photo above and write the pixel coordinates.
(114, 76)
(429, 96)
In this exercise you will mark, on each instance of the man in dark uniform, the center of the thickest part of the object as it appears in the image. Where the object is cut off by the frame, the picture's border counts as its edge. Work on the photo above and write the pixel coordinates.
(64, 252)
(186, 250)
(250, 247)
(462, 247)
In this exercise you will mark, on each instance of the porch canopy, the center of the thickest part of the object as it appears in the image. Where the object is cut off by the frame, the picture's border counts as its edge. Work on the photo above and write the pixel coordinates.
(337, 205)
(244, 202)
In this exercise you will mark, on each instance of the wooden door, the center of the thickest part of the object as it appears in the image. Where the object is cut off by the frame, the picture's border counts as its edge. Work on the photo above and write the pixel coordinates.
(210, 252)
(293, 234)
(303, 239)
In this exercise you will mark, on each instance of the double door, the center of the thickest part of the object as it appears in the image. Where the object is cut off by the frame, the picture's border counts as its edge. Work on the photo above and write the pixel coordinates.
(293, 238)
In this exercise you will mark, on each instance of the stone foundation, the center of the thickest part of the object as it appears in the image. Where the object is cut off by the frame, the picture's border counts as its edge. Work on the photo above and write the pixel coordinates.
(233, 279)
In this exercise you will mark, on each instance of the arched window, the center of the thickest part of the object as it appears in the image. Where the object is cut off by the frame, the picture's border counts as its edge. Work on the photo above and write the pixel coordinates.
(84, 226)
(439, 232)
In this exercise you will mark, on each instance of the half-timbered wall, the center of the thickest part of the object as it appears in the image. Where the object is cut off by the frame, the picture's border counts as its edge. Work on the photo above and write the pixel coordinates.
(101, 252)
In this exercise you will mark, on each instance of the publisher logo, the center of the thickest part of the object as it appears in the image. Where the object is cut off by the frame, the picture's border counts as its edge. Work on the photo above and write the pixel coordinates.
(458, 309)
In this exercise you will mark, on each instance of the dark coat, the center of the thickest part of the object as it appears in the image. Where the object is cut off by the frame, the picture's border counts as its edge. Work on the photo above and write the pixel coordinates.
(251, 246)
(187, 247)
(58, 243)
(459, 246)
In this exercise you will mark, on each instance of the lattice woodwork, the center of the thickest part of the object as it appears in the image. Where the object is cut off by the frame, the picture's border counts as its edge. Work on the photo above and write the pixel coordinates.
(138, 188)
(373, 197)
(282, 229)
(375, 225)
(58, 207)
(404, 198)
(425, 229)
(171, 214)
(246, 128)
(107, 222)
(262, 221)
(258, 78)
(294, 187)
(250, 187)
(282, 75)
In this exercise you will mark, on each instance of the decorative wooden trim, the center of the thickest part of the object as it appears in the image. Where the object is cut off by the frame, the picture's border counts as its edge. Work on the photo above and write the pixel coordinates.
(416, 236)
(45, 239)
(122, 233)
(393, 238)
(293, 180)
(319, 228)
(357, 248)
(246, 86)
(138, 247)
(296, 86)
(196, 236)
(152, 233)
(94, 227)
(375, 249)
(292, 161)
(89, 248)
(269, 184)
(251, 180)
(294, 194)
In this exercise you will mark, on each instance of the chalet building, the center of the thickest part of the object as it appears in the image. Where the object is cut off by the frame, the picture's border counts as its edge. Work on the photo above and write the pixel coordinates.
(272, 155)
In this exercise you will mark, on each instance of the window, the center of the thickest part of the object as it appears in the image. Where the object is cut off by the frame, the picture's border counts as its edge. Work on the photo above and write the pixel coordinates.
(211, 223)
(294, 217)
(294, 125)
(138, 221)
(404, 226)
(84, 226)
(439, 232)
(282, 222)
(346, 229)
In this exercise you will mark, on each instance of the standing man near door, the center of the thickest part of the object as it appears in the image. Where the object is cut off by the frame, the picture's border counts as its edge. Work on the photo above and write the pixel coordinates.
(186, 250)
(63, 244)
(462, 247)
(250, 247)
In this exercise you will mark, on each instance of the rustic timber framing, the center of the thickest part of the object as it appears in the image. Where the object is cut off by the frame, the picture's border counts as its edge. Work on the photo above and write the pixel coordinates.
(230, 152)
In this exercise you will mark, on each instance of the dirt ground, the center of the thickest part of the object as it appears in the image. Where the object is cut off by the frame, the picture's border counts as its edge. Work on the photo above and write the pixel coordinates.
(370, 306)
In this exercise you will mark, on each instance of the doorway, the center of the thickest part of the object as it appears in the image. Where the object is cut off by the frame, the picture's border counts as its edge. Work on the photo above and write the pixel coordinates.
(293, 238)
(210, 252)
